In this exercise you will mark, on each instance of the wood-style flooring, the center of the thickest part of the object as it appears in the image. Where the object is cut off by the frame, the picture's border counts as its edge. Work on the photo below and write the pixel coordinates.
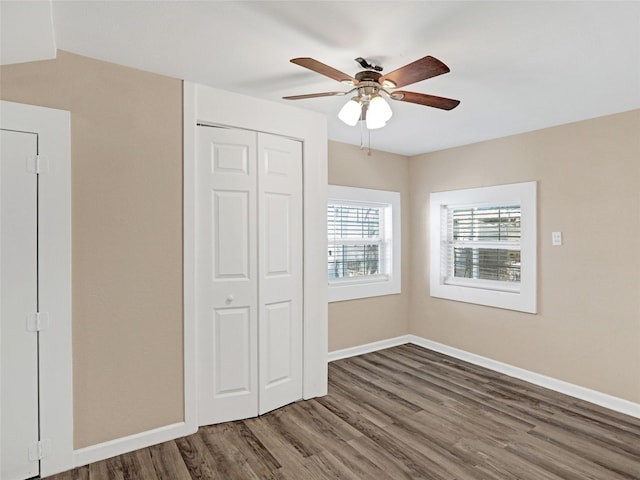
(402, 413)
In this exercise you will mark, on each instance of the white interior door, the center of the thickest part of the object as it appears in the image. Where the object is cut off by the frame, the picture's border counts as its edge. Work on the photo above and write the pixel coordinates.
(227, 275)
(249, 272)
(18, 300)
(280, 271)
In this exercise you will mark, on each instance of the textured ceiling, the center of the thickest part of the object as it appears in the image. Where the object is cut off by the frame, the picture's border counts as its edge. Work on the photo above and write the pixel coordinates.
(516, 66)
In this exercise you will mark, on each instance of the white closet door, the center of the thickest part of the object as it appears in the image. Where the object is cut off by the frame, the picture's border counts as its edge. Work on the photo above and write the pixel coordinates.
(280, 270)
(227, 275)
(249, 246)
(18, 299)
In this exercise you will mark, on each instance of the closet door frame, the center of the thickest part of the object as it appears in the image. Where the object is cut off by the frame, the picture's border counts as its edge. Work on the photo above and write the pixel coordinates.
(218, 107)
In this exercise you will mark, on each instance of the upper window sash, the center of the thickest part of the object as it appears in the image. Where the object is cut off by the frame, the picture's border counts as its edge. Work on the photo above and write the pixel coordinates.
(490, 223)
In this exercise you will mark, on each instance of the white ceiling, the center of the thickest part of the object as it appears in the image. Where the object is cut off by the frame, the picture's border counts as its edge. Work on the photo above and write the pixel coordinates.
(516, 66)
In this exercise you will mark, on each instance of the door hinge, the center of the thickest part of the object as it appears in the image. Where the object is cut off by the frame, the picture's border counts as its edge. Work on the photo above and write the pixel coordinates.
(37, 164)
(38, 321)
(40, 450)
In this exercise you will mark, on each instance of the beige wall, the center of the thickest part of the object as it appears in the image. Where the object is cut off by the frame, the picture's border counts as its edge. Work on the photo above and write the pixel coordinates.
(126, 148)
(587, 330)
(356, 322)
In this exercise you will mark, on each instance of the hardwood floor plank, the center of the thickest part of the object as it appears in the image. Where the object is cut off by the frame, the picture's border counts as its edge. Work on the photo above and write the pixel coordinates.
(625, 465)
(101, 471)
(197, 458)
(321, 420)
(81, 473)
(138, 465)
(261, 461)
(227, 459)
(395, 467)
(114, 468)
(502, 464)
(612, 439)
(168, 463)
(404, 413)
(606, 416)
(565, 464)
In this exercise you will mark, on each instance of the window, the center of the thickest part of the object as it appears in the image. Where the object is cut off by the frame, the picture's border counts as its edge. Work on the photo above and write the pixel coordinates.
(483, 246)
(363, 255)
(357, 247)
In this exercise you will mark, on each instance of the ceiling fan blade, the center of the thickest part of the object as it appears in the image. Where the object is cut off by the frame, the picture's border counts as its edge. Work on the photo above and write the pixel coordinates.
(314, 95)
(424, 99)
(422, 69)
(323, 69)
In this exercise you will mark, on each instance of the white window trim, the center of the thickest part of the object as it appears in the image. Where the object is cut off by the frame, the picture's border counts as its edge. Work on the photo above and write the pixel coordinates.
(524, 194)
(351, 289)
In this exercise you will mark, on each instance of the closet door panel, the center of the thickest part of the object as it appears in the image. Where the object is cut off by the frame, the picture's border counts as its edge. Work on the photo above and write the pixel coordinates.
(232, 338)
(227, 271)
(280, 270)
(231, 228)
(19, 425)
(279, 326)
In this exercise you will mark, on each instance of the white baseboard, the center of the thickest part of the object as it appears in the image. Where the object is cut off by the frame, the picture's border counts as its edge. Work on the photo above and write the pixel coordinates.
(368, 347)
(112, 448)
(608, 401)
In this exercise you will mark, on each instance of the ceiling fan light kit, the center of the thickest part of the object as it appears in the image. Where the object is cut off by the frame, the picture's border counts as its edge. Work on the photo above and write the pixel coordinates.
(371, 86)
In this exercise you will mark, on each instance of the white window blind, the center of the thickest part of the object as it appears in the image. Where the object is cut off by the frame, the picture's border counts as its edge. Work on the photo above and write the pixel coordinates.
(483, 245)
(356, 243)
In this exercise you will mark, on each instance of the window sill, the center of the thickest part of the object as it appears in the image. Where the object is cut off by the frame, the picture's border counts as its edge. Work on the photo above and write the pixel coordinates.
(345, 290)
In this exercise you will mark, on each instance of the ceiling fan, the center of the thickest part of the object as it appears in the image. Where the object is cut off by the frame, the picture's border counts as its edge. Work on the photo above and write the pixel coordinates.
(371, 86)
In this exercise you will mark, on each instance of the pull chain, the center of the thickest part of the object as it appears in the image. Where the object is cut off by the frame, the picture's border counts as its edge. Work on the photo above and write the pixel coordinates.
(362, 146)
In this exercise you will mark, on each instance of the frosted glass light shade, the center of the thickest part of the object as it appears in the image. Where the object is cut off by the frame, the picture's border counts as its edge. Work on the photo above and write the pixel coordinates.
(350, 113)
(380, 109)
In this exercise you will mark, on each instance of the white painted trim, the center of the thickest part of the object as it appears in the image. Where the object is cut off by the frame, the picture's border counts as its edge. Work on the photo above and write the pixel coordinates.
(368, 347)
(54, 258)
(604, 400)
(219, 107)
(112, 448)
(188, 259)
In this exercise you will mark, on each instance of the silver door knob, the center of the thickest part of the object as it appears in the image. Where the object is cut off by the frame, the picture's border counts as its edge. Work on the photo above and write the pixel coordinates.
(230, 298)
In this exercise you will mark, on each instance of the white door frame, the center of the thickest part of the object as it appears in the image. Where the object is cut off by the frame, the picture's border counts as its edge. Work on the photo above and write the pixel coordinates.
(219, 107)
(54, 258)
